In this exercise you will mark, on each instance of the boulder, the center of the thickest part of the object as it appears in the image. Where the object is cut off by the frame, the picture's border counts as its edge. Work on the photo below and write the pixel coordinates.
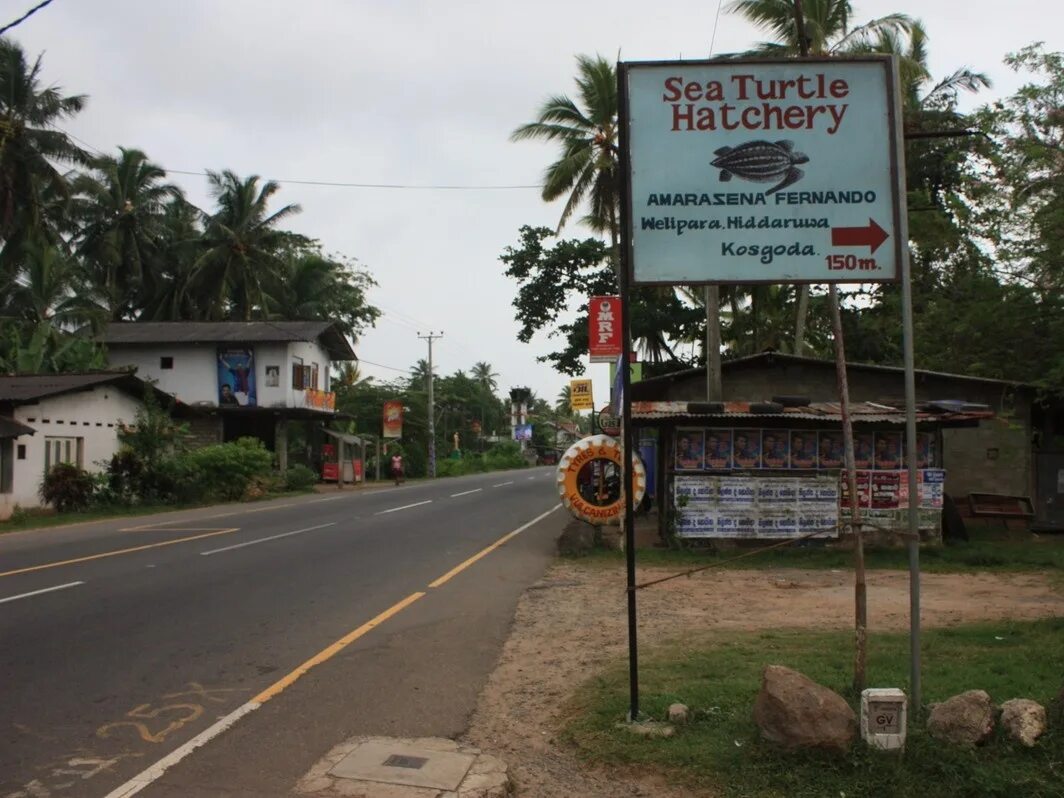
(678, 714)
(965, 719)
(795, 712)
(1023, 720)
(577, 539)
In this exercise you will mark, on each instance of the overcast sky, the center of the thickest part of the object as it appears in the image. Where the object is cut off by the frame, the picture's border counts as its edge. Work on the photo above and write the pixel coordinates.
(417, 94)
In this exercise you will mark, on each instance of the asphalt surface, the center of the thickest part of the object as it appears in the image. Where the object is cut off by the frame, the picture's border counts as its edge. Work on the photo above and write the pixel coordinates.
(121, 641)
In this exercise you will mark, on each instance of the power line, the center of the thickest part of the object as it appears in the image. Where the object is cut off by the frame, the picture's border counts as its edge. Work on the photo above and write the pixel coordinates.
(338, 184)
(24, 17)
(381, 365)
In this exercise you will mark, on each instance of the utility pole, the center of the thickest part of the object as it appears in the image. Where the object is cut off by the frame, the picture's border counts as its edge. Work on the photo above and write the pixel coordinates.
(432, 405)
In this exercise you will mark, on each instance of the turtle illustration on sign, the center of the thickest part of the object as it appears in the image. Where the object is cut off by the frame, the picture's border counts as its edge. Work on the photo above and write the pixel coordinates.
(762, 162)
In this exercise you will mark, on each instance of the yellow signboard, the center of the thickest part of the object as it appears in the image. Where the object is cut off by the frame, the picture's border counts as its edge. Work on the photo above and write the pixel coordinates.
(580, 395)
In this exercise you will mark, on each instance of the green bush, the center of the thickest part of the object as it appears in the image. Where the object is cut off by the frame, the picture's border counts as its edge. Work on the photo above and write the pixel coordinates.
(299, 477)
(223, 471)
(67, 488)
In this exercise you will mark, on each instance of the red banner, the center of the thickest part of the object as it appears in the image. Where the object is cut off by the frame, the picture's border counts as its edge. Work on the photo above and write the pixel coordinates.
(604, 328)
(393, 419)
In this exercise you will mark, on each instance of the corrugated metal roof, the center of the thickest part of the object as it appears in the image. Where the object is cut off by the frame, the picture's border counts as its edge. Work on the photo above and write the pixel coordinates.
(28, 387)
(860, 412)
(229, 332)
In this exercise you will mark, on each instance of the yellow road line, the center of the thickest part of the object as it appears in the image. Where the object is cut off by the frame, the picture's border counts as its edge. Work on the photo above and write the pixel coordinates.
(330, 652)
(130, 550)
(488, 550)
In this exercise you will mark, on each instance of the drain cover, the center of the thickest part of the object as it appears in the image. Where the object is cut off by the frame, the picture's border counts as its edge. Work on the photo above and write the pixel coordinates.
(403, 761)
(395, 762)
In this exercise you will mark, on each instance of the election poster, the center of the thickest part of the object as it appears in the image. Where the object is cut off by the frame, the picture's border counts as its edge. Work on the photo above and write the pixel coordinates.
(236, 377)
(803, 449)
(690, 446)
(746, 449)
(887, 451)
(775, 448)
(718, 449)
(830, 453)
(862, 449)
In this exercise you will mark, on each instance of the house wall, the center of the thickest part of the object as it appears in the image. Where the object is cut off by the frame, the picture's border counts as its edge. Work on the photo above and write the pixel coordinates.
(194, 376)
(994, 457)
(92, 416)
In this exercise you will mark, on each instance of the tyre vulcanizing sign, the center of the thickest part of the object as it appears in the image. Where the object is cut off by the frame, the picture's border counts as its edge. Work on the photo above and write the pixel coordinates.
(774, 171)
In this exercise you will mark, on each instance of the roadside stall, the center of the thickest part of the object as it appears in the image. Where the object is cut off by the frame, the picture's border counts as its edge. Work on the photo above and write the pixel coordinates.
(762, 471)
(342, 458)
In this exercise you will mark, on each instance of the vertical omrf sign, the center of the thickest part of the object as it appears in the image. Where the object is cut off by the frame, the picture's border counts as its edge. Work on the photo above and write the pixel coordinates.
(763, 171)
(604, 328)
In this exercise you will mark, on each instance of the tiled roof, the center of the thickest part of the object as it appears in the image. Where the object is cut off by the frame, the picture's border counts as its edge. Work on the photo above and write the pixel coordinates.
(860, 412)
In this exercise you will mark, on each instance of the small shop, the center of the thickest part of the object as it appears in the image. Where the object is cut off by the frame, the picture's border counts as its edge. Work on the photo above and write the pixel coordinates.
(762, 471)
(342, 457)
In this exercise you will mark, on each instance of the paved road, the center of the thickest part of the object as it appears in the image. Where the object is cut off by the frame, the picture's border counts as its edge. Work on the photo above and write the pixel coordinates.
(123, 641)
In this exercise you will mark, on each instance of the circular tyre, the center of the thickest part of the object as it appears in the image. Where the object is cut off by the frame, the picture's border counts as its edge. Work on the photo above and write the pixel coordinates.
(589, 480)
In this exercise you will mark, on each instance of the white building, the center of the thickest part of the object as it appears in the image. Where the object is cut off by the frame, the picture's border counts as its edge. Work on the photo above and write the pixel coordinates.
(59, 418)
(246, 378)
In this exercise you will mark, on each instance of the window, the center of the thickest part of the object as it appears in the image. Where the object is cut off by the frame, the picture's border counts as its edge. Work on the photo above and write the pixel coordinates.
(21, 451)
(313, 376)
(6, 471)
(166, 362)
(62, 450)
(297, 373)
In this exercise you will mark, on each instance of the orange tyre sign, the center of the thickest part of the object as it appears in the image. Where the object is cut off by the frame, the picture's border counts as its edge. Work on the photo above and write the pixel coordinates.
(589, 479)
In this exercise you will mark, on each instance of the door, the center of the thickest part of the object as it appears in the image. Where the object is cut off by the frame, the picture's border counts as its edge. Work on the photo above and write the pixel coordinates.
(1049, 499)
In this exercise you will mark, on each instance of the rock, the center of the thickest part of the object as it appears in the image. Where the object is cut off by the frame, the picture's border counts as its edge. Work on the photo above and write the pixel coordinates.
(577, 539)
(649, 728)
(794, 712)
(1023, 720)
(678, 713)
(965, 719)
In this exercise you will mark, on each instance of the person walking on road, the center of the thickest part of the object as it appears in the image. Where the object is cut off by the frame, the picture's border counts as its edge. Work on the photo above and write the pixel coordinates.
(397, 468)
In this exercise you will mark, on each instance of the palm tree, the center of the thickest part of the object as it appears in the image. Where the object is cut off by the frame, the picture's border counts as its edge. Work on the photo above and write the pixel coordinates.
(563, 404)
(30, 146)
(124, 211)
(587, 134)
(828, 31)
(419, 376)
(483, 375)
(240, 266)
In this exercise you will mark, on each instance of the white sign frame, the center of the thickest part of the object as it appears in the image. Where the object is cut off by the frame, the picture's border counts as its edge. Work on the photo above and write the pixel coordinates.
(797, 204)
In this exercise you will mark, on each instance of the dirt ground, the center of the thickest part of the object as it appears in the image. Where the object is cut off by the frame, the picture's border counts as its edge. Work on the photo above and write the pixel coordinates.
(573, 621)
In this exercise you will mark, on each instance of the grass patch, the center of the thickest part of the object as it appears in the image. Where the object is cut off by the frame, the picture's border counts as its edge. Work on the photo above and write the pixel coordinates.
(987, 550)
(720, 750)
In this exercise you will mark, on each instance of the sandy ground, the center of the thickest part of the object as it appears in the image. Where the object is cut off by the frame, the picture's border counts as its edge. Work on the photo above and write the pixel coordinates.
(573, 622)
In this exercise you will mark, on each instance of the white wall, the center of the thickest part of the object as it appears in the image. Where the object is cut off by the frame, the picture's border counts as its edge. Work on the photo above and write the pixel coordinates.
(194, 376)
(92, 415)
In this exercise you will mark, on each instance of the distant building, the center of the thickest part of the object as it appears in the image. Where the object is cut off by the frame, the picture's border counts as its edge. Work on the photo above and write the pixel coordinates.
(46, 419)
(252, 378)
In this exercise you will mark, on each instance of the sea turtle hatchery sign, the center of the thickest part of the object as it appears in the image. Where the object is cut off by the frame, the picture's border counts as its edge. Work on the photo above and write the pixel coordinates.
(763, 171)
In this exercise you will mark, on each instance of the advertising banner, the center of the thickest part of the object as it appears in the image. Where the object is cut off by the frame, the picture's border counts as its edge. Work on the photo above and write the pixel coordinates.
(755, 506)
(580, 397)
(604, 328)
(392, 419)
(236, 377)
(777, 171)
(523, 432)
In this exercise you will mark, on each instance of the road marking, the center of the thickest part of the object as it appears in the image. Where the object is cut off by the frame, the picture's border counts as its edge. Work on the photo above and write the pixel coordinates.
(146, 777)
(532, 477)
(503, 484)
(38, 592)
(486, 551)
(396, 509)
(331, 651)
(466, 492)
(263, 540)
(130, 550)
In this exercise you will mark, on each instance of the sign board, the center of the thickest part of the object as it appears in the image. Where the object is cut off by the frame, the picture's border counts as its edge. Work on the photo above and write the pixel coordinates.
(392, 419)
(609, 422)
(604, 328)
(580, 397)
(522, 432)
(772, 171)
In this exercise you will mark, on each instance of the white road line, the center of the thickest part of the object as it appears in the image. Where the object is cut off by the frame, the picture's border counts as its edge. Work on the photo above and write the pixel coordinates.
(466, 492)
(146, 777)
(263, 540)
(531, 477)
(404, 507)
(38, 592)
(503, 484)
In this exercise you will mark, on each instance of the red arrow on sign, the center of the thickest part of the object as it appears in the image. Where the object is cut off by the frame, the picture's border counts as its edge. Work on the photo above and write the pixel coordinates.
(871, 236)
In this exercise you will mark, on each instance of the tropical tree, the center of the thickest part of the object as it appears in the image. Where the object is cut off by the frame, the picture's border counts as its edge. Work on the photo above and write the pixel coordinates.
(484, 376)
(240, 267)
(316, 287)
(123, 207)
(564, 403)
(30, 149)
(587, 166)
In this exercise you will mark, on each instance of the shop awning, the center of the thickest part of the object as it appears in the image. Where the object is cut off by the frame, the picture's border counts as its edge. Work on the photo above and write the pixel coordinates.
(944, 413)
(346, 437)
